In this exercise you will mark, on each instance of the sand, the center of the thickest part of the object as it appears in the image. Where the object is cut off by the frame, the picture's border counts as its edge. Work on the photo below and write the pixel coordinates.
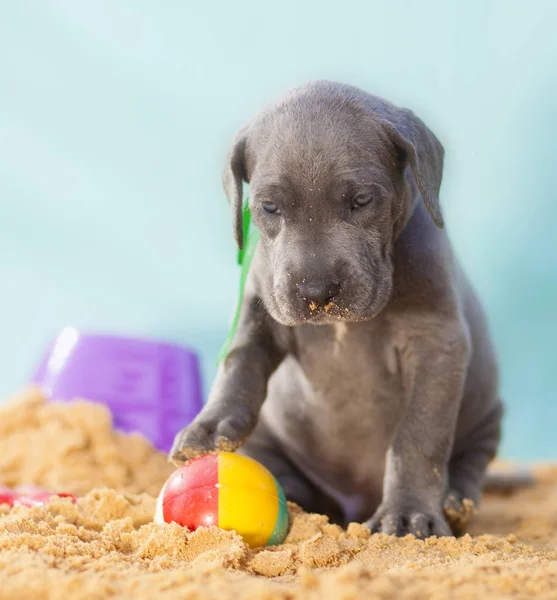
(106, 545)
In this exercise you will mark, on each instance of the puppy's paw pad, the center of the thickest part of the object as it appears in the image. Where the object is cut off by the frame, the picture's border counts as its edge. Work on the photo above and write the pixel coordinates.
(193, 441)
(223, 435)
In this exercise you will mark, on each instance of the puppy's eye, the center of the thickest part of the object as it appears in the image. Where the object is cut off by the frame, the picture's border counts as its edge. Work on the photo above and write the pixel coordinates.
(361, 200)
(271, 207)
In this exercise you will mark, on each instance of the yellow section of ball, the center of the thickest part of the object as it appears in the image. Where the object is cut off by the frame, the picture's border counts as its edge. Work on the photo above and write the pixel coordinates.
(248, 498)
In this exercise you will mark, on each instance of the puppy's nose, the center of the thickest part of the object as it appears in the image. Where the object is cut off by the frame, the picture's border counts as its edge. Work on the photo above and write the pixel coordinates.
(319, 292)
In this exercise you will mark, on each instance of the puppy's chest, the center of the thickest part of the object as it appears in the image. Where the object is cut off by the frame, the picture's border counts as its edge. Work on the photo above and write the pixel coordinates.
(351, 364)
(339, 403)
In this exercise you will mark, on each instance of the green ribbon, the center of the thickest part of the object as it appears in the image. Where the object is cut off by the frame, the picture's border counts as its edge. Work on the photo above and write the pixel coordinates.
(245, 256)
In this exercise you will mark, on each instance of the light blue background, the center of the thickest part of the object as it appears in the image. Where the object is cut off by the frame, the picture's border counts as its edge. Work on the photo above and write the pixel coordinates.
(115, 118)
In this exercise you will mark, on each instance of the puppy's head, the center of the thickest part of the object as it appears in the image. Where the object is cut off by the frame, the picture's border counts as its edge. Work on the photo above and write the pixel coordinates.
(331, 171)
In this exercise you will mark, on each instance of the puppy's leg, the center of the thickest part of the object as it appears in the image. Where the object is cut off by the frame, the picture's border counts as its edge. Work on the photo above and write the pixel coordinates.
(467, 469)
(239, 390)
(434, 357)
(296, 486)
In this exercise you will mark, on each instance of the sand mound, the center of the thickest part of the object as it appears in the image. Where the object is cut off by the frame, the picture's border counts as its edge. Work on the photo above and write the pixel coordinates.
(105, 545)
(73, 448)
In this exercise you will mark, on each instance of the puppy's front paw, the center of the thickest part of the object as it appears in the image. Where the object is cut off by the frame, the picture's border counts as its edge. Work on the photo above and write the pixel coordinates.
(400, 522)
(214, 435)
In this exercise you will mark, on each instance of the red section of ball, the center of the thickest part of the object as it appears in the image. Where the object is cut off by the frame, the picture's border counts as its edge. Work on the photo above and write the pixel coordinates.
(191, 494)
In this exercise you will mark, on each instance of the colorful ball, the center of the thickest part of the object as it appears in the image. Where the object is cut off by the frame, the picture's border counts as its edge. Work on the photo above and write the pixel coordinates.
(233, 492)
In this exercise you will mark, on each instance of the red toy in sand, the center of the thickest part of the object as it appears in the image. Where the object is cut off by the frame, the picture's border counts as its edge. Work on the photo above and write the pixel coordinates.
(29, 495)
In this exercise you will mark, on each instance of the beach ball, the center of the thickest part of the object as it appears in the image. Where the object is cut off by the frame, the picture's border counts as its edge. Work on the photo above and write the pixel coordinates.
(227, 490)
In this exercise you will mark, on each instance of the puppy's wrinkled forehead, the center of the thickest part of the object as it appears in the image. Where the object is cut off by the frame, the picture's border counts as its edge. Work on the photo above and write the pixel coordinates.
(310, 146)
(323, 131)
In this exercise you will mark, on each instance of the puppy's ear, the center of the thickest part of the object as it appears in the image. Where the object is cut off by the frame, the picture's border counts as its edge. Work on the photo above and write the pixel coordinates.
(424, 154)
(233, 177)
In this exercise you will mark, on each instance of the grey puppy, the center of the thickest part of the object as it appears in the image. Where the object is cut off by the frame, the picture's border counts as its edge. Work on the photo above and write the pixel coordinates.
(362, 373)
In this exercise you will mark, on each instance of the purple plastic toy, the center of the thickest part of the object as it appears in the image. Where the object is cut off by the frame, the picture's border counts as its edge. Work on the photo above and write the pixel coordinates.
(152, 388)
